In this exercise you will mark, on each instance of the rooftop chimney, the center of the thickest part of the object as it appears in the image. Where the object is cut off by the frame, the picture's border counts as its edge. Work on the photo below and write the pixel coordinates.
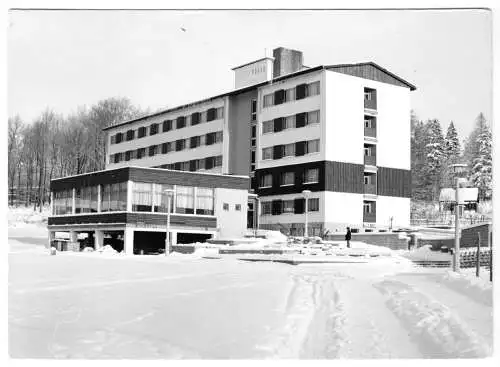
(286, 61)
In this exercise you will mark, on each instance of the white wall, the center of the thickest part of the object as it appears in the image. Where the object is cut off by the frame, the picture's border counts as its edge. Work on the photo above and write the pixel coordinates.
(232, 223)
(253, 73)
(343, 124)
(343, 209)
(388, 207)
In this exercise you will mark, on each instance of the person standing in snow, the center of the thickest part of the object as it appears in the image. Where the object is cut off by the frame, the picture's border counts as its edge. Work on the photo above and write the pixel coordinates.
(348, 237)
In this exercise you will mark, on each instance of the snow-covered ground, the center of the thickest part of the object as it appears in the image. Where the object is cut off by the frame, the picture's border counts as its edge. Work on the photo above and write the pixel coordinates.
(111, 306)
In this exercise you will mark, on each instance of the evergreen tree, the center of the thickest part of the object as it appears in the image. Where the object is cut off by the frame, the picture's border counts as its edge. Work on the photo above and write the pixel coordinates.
(435, 157)
(471, 144)
(481, 176)
(418, 139)
(451, 144)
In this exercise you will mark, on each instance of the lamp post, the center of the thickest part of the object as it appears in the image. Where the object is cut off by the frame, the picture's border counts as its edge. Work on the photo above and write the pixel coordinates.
(306, 196)
(457, 169)
(168, 192)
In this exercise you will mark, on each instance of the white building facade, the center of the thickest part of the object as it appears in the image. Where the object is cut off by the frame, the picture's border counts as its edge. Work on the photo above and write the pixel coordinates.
(339, 131)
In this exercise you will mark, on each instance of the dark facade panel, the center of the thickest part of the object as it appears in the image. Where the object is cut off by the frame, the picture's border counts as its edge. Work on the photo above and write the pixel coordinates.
(188, 178)
(344, 177)
(101, 218)
(161, 220)
(368, 71)
(90, 179)
(394, 182)
(298, 170)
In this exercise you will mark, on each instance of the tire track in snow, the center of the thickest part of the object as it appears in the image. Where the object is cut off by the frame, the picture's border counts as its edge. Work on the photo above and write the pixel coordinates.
(438, 332)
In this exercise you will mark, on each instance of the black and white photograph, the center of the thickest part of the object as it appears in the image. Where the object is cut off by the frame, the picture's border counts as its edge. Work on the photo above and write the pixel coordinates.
(250, 184)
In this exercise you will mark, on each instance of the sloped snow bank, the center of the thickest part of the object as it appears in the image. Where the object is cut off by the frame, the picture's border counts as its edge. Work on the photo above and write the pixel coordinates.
(479, 289)
(439, 332)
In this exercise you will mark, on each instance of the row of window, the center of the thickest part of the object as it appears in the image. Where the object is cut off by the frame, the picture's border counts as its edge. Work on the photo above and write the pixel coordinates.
(113, 198)
(149, 197)
(167, 125)
(296, 149)
(289, 206)
(195, 164)
(146, 197)
(298, 92)
(290, 122)
(253, 133)
(172, 146)
(309, 176)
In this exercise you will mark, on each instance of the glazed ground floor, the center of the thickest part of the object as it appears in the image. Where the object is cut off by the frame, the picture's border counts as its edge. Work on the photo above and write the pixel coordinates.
(332, 212)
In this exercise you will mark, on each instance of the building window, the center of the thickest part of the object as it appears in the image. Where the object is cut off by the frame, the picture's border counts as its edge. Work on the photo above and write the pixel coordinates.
(313, 205)
(153, 129)
(117, 158)
(288, 206)
(237, 207)
(289, 122)
(160, 198)
(368, 95)
(180, 145)
(253, 142)
(86, 199)
(142, 132)
(267, 127)
(128, 154)
(367, 207)
(290, 95)
(218, 161)
(167, 125)
(219, 113)
(252, 156)
(312, 146)
(265, 207)
(254, 110)
(254, 132)
(195, 118)
(311, 176)
(287, 178)
(289, 150)
(63, 202)
(113, 139)
(142, 197)
(152, 150)
(201, 164)
(194, 142)
(266, 181)
(184, 201)
(313, 117)
(141, 152)
(210, 138)
(114, 197)
(313, 89)
(267, 153)
(211, 114)
(119, 138)
(218, 137)
(225, 206)
(130, 135)
(268, 100)
(204, 201)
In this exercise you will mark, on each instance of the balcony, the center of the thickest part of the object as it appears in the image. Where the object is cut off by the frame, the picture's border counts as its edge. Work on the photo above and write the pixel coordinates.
(370, 104)
(369, 217)
(370, 189)
(370, 160)
(371, 132)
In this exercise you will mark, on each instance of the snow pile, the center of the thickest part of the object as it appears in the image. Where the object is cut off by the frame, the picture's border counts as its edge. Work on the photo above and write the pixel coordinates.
(19, 216)
(479, 289)
(432, 324)
(107, 250)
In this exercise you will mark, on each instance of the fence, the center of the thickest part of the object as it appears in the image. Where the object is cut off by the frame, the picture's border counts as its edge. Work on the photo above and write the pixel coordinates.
(448, 220)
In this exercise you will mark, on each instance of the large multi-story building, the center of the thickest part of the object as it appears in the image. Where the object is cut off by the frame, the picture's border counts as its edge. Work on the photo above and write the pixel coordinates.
(341, 132)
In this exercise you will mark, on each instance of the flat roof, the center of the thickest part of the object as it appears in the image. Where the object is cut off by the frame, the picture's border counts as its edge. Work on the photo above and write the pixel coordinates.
(267, 82)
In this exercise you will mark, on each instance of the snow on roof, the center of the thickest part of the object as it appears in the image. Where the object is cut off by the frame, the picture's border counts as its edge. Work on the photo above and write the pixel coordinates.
(465, 194)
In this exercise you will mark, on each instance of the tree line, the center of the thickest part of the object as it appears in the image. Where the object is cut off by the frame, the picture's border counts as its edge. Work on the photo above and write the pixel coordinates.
(54, 146)
(432, 153)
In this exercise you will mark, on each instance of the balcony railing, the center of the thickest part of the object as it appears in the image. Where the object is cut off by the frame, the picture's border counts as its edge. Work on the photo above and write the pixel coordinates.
(371, 160)
(369, 217)
(371, 132)
(371, 189)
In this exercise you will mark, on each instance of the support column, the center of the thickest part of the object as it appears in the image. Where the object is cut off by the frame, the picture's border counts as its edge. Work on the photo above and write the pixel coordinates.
(73, 241)
(128, 240)
(73, 205)
(129, 195)
(51, 237)
(98, 239)
(73, 236)
(173, 239)
(99, 198)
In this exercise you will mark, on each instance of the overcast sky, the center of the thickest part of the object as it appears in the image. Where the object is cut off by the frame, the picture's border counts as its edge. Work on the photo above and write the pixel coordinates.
(63, 59)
